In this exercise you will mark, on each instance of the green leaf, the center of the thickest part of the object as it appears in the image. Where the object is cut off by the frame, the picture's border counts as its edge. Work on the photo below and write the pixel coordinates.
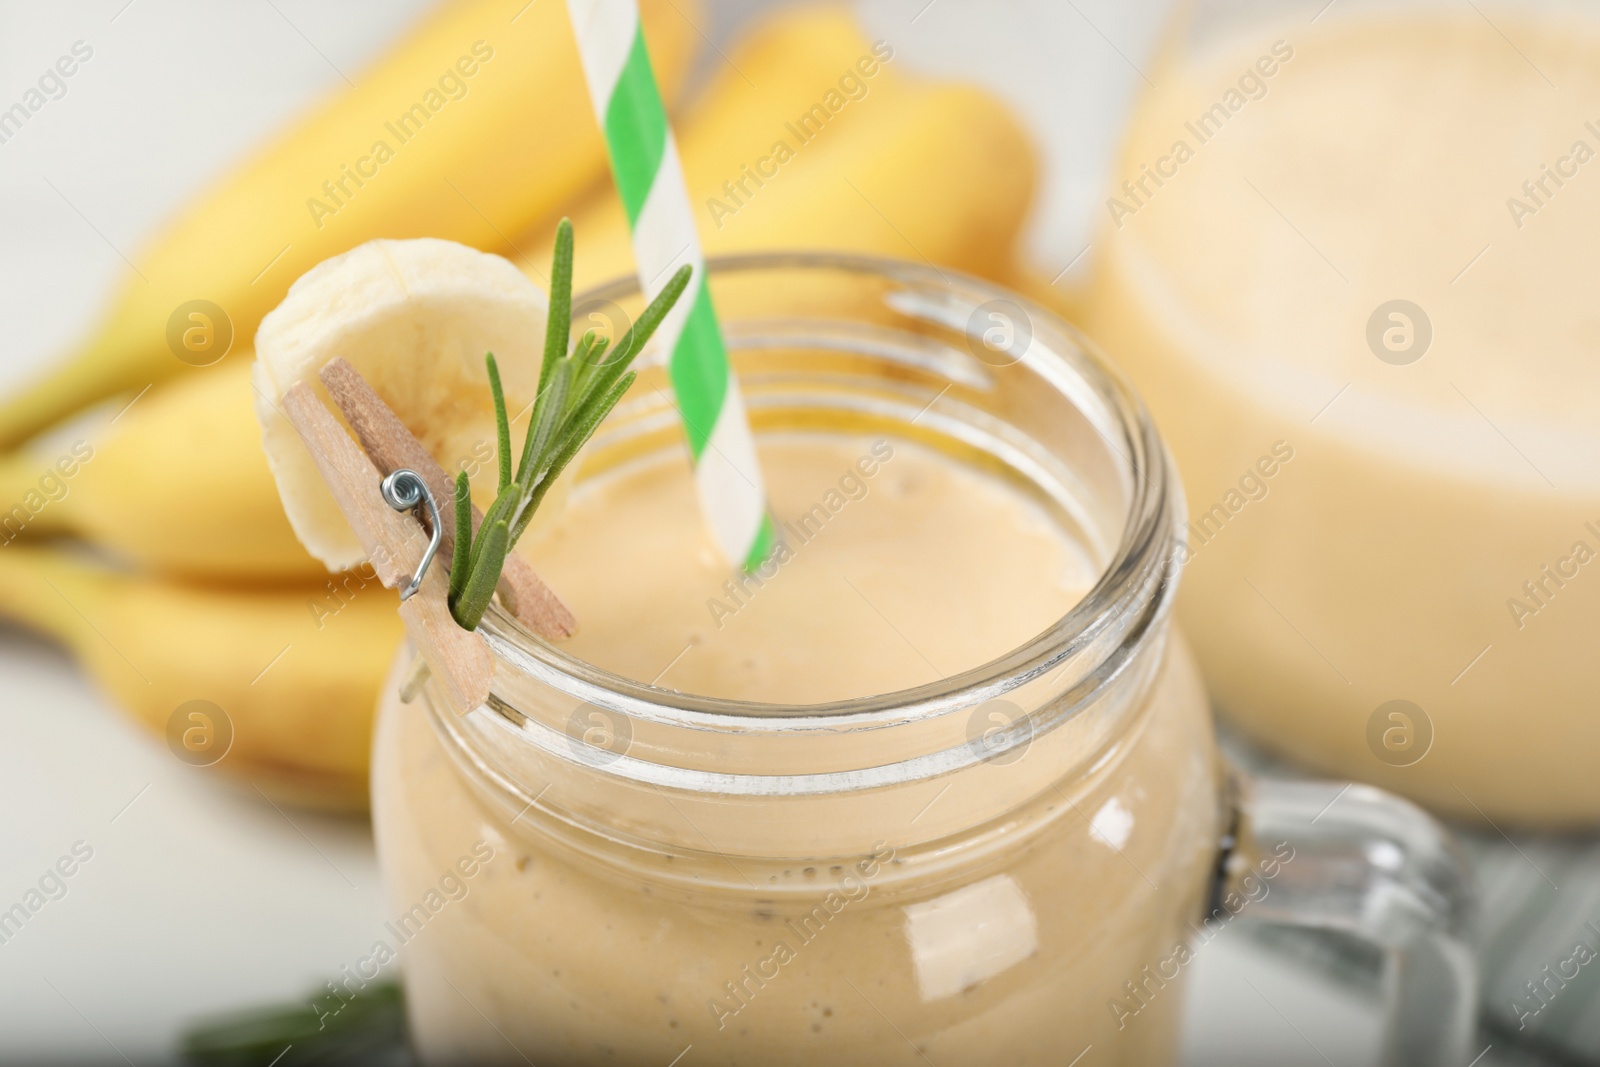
(461, 555)
(548, 422)
(586, 344)
(634, 340)
(504, 507)
(559, 324)
(502, 425)
(590, 354)
(576, 393)
(557, 330)
(369, 1027)
(574, 440)
(491, 557)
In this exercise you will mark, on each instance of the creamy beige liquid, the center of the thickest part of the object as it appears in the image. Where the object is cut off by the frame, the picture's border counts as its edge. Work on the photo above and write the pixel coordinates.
(922, 568)
(850, 610)
(1366, 531)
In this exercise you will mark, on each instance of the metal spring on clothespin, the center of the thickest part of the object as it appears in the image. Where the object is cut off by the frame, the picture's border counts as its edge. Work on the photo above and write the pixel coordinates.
(404, 490)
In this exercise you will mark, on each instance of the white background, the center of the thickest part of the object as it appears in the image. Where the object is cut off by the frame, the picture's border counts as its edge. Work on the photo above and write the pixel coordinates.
(200, 899)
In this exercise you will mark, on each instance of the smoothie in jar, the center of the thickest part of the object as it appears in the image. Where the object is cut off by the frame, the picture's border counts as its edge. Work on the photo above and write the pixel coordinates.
(1348, 263)
(937, 783)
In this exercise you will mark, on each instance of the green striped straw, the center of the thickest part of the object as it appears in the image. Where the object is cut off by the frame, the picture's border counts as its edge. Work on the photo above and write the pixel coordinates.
(644, 161)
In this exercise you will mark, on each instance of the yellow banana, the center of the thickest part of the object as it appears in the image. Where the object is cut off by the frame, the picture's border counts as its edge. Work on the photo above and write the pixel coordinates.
(177, 484)
(839, 149)
(474, 127)
(289, 677)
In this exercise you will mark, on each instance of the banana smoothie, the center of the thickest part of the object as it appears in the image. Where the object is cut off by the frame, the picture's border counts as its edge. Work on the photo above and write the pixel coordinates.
(1349, 266)
(1015, 910)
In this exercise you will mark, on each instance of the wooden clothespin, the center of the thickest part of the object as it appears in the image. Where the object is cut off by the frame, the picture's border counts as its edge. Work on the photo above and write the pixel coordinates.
(393, 447)
(459, 658)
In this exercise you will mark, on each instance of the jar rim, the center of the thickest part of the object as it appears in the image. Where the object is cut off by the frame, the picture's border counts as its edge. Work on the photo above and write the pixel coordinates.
(1134, 588)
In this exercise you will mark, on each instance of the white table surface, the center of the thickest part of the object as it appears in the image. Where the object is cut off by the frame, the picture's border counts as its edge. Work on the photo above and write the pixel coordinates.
(200, 899)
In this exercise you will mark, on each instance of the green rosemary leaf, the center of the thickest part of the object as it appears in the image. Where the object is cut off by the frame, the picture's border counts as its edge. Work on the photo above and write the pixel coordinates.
(557, 328)
(540, 404)
(576, 392)
(574, 440)
(550, 420)
(559, 323)
(461, 556)
(369, 1027)
(502, 425)
(586, 345)
(634, 340)
(560, 320)
(491, 553)
(502, 510)
(580, 415)
(590, 354)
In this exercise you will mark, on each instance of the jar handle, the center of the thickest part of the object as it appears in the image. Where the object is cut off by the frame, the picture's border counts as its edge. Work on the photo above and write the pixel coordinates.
(1369, 864)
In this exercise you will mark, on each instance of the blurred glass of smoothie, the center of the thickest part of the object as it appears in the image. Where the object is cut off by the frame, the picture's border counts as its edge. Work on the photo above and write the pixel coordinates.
(1350, 263)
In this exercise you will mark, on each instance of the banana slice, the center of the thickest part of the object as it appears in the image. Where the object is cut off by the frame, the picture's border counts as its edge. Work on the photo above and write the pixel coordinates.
(415, 318)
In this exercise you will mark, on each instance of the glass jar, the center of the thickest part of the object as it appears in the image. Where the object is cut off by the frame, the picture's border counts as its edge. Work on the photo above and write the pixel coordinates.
(1346, 257)
(1013, 865)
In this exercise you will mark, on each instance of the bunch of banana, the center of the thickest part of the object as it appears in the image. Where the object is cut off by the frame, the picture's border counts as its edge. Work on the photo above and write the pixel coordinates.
(838, 149)
(475, 126)
(874, 160)
(276, 684)
(177, 484)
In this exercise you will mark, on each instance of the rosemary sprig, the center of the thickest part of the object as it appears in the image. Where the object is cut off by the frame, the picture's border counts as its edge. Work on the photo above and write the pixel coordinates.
(369, 1027)
(576, 391)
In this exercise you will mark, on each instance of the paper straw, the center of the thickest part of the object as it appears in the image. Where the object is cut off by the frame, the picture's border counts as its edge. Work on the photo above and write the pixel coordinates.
(649, 176)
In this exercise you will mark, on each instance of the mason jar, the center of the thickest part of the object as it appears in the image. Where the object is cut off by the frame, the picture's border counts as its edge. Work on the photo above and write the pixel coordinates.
(1346, 256)
(1017, 863)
